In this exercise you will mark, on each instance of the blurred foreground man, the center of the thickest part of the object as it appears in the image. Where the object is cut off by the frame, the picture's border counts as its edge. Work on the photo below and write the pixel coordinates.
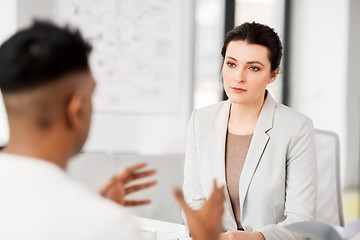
(47, 88)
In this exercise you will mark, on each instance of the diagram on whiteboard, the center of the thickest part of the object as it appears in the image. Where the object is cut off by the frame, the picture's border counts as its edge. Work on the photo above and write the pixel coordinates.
(137, 52)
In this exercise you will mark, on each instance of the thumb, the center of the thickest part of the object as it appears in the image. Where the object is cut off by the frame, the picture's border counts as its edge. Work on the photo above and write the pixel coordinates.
(104, 189)
(180, 198)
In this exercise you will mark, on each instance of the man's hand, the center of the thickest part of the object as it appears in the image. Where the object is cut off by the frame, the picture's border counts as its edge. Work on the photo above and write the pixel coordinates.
(241, 235)
(116, 188)
(205, 223)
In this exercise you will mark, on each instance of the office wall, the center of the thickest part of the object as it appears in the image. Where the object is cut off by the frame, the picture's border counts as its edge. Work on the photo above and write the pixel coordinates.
(8, 18)
(95, 169)
(140, 126)
(7, 26)
(4, 129)
(16, 14)
(27, 11)
(319, 77)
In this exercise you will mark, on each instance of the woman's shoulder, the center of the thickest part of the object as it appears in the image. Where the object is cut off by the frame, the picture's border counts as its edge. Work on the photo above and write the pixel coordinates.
(213, 109)
(289, 112)
(204, 118)
(287, 116)
(281, 113)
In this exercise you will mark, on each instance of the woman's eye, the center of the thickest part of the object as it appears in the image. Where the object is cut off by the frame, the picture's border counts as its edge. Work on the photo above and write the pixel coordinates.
(230, 64)
(255, 69)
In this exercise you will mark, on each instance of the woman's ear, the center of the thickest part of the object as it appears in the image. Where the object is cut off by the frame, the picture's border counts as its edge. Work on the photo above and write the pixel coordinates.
(274, 75)
(74, 111)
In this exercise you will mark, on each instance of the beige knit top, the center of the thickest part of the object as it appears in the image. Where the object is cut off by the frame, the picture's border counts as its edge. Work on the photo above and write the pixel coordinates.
(237, 147)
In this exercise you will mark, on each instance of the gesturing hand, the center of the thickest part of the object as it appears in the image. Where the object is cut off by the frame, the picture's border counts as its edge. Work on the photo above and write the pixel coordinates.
(116, 188)
(238, 235)
(205, 223)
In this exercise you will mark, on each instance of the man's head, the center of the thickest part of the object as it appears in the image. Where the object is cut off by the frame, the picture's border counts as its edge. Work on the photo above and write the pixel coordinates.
(47, 85)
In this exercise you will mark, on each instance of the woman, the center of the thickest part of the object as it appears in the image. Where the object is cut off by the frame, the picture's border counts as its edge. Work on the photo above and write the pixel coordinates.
(261, 150)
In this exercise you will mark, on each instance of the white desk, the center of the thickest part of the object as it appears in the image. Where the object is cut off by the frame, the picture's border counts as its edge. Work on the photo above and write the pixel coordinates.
(165, 230)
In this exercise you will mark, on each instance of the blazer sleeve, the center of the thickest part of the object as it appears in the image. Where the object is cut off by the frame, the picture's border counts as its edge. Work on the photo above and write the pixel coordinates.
(301, 183)
(192, 187)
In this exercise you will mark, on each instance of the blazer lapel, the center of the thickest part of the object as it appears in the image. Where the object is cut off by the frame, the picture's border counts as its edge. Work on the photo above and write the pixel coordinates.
(257, 146)
(218, 140)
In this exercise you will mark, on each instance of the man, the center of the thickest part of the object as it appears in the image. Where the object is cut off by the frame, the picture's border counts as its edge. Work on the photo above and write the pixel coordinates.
(47, 88)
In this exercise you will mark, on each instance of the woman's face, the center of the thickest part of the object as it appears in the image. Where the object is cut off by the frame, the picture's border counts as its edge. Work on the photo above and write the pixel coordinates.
(246, 72)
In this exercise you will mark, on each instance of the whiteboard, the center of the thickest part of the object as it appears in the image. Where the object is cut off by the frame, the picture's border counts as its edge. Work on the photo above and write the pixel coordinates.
(142, 61)
(137, 51)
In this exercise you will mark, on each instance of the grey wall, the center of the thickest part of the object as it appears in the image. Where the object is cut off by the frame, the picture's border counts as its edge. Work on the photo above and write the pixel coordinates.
(95, 169)
(353, 96)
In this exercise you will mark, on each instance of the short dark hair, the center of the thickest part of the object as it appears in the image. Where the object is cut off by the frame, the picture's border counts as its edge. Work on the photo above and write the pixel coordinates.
(256, 33)
(41, 54)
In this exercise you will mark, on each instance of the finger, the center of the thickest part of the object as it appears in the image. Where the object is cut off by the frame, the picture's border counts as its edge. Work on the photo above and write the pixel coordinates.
(219, 194)
(180, 198)
(136, 202)
(103, 190)
(135, 167)
(222, 193)
(216, 189)
(111, 183)
(138, 187)
(214, 184)
(139, 175)
(128, 171)
(224, 236)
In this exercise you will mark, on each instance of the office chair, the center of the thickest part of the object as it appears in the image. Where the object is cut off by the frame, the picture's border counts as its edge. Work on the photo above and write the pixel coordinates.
(329, 198)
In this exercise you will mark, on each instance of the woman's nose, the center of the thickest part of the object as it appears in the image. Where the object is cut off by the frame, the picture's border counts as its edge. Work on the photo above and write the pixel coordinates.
(240, 76)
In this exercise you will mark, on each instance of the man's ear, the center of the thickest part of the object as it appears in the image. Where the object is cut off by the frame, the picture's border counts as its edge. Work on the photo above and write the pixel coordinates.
(74, 111)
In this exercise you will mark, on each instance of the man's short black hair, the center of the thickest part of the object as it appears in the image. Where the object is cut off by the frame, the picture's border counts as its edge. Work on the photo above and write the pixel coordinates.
(41, 54)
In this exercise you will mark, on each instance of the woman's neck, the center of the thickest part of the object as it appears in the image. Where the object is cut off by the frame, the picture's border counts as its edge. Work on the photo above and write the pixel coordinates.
(243, 117)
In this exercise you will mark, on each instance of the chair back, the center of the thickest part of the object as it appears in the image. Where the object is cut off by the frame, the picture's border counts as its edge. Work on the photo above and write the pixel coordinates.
(329, 198)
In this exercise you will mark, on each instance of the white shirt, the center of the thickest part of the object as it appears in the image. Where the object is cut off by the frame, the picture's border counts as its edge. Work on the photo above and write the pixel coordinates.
(39, 201)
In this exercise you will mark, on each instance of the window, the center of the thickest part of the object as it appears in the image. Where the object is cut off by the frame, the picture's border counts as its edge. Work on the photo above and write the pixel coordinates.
(271, 13)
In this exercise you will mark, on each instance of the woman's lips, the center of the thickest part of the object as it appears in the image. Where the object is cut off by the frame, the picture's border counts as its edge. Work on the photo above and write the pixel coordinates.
(238, 90)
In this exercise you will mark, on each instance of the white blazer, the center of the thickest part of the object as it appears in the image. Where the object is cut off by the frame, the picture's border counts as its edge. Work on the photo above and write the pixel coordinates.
(278, 182)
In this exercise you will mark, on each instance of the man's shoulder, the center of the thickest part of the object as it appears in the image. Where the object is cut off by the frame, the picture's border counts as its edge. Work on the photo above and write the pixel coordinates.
(53, 198)
(99, 214)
